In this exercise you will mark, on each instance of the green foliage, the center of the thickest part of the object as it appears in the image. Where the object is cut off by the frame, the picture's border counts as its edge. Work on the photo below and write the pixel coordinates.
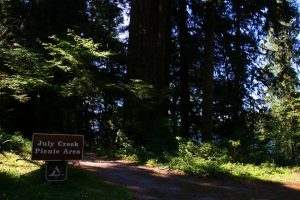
(281, 124)
(78, 59)
(73, 52)
(207, 151)
(14, 143)
(210, 160)
(142, 121)
(3, 140)
(265, 171)
(141, 90)
(11, 19)
(70, 82)
(21, 179)
(28, 70)
(283, 130)
(24, 71)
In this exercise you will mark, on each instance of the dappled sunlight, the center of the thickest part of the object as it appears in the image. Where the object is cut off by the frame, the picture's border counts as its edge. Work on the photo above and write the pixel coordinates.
(161, 183)
(16, 164)
(21, 180)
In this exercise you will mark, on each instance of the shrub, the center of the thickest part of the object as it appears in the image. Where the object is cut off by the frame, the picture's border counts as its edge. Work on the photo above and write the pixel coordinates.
(4, 140)
(14, 143)
(207, 151)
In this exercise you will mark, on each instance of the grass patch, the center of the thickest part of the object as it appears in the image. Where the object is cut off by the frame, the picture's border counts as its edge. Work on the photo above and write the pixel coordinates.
(203, 167)
(212, 161)
(21, 179)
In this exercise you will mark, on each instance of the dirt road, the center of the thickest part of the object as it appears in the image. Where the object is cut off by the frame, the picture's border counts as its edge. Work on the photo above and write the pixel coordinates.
(153, 183)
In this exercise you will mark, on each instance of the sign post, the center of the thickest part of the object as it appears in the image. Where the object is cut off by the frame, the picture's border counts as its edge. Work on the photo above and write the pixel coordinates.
(56, 149)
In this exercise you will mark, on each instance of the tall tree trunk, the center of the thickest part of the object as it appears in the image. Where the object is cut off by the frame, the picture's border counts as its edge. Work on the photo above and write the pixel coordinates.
(208, 72)
(184, 69)
(239, 72)
(149, 35)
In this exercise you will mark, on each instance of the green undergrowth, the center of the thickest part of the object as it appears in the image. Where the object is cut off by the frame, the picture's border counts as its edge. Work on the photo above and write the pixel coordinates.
(22, 179)
(211, 161)
(239, 171)
(14, 143)
(204, 167)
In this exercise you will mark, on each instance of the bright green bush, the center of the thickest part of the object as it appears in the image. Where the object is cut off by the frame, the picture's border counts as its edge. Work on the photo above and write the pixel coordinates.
(210, 160)
(14, 143)
(207, 151)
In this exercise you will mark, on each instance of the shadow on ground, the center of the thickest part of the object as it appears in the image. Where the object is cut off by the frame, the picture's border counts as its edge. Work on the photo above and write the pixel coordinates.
(150, 183)
(80, 185)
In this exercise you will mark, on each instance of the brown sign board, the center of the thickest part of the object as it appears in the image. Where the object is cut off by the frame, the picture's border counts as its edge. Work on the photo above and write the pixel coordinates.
(56, 147)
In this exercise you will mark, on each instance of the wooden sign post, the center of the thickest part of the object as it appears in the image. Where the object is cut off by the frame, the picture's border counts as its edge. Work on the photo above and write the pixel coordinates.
(56, 149)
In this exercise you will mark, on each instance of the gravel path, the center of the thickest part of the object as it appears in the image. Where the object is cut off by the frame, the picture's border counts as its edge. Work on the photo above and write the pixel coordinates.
(153, 183)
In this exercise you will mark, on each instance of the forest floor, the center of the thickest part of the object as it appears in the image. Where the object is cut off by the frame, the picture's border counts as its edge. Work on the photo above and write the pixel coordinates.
(148, 183)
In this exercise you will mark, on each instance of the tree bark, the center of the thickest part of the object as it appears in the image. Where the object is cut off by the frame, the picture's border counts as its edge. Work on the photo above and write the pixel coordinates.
(149, 36)
(208, 72)
(184, 70)
(148, 51)
(238, 70)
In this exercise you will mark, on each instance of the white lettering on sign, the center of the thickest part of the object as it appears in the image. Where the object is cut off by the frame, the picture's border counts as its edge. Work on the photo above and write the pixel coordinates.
(67, 144)
(51, 144)
(46, 151)
(45, 143)
(57, 147)
(72, 152)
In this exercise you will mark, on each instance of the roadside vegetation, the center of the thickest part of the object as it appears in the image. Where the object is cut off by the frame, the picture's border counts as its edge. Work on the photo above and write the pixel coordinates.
(20, 178)
(222, 75)
(209, 160)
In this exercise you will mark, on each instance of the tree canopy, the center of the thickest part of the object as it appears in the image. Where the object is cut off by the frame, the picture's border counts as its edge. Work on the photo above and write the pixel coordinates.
(222, 72)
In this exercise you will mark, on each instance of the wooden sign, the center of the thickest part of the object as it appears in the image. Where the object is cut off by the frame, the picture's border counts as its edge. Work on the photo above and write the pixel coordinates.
(57, 147)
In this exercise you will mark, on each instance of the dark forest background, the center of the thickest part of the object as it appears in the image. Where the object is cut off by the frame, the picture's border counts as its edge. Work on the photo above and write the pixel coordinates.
(219, 72)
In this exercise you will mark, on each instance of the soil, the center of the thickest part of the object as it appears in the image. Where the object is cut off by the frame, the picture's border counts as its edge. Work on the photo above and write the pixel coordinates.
(148, 183)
